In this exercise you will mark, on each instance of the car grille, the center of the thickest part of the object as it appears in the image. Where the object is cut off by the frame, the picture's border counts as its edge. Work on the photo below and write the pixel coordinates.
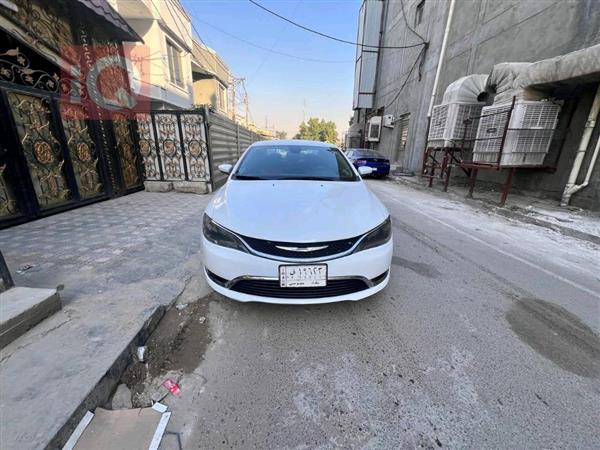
(271, 247)
(271, 288)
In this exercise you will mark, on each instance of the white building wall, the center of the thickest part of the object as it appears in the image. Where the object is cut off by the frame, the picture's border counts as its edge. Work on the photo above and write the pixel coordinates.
(159, 22)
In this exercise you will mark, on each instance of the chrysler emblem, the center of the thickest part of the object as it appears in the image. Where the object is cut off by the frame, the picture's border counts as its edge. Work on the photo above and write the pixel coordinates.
(301, 249)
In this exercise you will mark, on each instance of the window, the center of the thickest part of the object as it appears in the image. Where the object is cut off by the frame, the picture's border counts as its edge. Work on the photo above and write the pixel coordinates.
(294, 162)
(174, 56)
(403, 124)
(419, 12)
(222, 98)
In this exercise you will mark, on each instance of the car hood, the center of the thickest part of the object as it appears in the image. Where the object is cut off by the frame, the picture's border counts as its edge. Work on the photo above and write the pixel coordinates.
(296, 210)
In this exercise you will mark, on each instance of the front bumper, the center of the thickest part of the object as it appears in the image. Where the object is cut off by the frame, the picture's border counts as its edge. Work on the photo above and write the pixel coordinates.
(228, 264)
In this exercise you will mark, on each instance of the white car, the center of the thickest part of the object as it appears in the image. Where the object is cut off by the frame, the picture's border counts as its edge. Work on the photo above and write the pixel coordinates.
(295, 224)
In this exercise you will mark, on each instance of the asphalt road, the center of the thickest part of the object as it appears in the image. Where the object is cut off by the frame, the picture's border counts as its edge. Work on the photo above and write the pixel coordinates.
(486, 337)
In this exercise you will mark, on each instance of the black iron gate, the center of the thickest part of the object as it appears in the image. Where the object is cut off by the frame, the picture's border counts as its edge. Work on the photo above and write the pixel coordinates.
(49, 160)
(52, 157)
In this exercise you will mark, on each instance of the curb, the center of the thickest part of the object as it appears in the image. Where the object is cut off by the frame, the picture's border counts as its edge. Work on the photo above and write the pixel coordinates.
(513, 213)
(101, 392)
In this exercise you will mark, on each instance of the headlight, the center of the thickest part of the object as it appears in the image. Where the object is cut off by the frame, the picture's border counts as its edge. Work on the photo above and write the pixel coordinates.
(377, 237)
(220, 236)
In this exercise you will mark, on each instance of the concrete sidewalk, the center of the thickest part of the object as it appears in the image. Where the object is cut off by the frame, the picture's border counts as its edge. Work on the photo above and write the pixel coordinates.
(571, 221)
(121, 262)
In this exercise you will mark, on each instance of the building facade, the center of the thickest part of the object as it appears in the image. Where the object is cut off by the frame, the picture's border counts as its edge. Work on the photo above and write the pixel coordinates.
(211, 79)
(65, 141)
(166, 30)
(399, 81)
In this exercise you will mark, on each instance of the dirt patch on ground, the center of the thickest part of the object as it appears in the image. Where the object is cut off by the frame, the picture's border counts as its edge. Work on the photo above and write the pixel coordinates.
(556, 334)
(176, 346)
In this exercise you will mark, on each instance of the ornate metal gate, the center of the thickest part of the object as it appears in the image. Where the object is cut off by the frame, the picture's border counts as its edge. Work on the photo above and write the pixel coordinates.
(173, 145)
(49, 160)
(51, 157)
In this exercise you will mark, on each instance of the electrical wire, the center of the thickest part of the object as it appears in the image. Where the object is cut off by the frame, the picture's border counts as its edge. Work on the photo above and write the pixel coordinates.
(268, 49)
(406, 79)
(319, 33)
(189, 35)
(275, 42)
(408, 25)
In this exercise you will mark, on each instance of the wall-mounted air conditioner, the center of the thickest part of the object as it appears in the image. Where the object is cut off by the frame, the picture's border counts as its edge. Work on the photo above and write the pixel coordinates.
(454, 121)
(374, 129)
(388, 121)
(528, 135)
(454, 124)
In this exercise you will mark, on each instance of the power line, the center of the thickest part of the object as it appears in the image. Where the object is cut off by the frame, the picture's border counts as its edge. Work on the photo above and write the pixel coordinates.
(268, 49)
(405, 80)
(408, 25)
(187, 33)
(319, 33)
(275, 42)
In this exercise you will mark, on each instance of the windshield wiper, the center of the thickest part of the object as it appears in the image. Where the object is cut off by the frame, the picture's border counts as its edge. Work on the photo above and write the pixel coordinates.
(248, 177)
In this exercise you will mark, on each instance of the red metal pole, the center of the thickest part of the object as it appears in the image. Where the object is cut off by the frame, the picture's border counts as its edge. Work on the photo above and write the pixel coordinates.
(448, 170)
(507, 185)
(472, 182)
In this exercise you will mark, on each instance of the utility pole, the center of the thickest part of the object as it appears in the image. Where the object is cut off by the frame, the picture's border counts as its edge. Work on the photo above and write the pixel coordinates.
(234, 85)
(247, 108)
(232, 96)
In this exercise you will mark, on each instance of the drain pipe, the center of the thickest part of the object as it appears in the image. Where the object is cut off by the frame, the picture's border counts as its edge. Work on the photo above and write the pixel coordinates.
(438, 71)
(590, 124)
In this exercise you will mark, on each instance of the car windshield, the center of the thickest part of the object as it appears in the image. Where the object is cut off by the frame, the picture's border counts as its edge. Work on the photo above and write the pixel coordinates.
(367, 154)
(294, 162)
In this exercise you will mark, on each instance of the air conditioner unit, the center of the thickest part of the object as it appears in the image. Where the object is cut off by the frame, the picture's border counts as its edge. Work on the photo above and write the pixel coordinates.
(448, 127)
(528, 135)
(374, 129)
(388, 121)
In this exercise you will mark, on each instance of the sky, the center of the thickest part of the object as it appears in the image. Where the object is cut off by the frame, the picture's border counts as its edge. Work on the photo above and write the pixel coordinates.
(285, 90)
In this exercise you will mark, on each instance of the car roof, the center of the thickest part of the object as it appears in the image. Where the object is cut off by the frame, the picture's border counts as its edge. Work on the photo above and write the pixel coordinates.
(362, 150)
(294, 142)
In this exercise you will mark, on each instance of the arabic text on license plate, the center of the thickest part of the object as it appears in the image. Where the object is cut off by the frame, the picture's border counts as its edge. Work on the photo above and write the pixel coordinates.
(312, 275)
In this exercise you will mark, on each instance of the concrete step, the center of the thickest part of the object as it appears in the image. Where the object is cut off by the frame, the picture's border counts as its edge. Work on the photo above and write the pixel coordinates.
(21, 308)
(72, 361)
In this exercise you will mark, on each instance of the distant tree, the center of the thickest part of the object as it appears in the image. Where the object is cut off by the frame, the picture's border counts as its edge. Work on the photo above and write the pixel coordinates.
(317, 130)
(281, 134)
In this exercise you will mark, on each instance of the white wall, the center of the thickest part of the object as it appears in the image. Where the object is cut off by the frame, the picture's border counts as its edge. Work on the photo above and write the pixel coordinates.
(156, 22)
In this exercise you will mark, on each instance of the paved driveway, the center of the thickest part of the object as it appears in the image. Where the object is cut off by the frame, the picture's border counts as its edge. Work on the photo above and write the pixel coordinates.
(104, 245)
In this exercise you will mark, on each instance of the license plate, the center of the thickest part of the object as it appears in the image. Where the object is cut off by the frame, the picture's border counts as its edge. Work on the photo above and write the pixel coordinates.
(306, 275)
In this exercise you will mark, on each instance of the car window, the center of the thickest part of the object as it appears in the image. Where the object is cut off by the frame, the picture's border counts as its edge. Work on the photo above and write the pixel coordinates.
(295, 162)
(368, 154)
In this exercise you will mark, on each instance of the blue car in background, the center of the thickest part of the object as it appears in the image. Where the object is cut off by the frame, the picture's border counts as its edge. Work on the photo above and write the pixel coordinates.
(367, 157)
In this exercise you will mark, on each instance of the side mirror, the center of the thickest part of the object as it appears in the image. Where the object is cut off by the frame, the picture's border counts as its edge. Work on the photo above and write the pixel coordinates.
(365, 170)
(225, 168)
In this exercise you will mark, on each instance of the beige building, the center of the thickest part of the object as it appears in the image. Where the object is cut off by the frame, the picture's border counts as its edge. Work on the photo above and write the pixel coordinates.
(165, 27)
(211, 79)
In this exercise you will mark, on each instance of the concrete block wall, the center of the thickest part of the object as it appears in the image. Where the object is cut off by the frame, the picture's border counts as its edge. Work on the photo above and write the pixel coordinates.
(483, 33)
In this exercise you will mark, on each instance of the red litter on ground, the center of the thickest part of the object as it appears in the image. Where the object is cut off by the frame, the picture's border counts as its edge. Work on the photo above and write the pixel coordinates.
(172, 386)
